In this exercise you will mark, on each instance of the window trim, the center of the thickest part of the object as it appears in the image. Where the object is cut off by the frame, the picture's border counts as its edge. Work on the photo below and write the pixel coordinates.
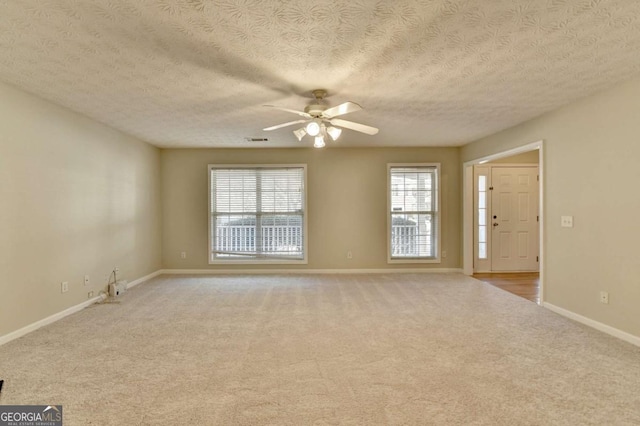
(260, 261)
(438, 211)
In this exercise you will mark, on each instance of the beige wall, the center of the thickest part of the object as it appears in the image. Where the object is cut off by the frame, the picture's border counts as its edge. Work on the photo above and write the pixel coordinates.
(76, 198)
(591, 154)
(346, 203)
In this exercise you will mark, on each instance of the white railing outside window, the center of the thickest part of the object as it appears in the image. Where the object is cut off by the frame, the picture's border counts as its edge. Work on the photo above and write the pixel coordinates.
(403, 240)
(232, 240)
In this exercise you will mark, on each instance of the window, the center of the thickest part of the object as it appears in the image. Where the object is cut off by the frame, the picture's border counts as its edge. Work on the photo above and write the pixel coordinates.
(413, 212)
(482, 217)
(257, 214)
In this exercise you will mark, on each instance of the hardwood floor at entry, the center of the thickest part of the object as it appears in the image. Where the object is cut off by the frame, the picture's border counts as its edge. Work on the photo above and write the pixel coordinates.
(523, 284)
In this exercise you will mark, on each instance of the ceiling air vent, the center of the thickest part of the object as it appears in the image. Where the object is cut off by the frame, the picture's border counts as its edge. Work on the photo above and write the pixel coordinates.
(256, 139)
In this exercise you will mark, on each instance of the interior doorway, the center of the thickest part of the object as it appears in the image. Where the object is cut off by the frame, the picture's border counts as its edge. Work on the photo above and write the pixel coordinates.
(472, 227)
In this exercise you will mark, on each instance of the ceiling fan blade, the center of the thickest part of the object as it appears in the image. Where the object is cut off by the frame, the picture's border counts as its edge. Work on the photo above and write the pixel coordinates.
(300, 113)
(354, 126)
(341, 109)
(290, 123)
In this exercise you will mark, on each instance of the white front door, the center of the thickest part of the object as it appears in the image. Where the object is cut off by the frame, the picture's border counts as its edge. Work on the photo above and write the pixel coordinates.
(514, 219)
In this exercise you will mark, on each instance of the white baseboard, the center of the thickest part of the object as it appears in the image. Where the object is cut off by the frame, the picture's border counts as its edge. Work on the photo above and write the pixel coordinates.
(308, 271)
(627, 337)
(145, 278)
(72, 310)
(48, 320)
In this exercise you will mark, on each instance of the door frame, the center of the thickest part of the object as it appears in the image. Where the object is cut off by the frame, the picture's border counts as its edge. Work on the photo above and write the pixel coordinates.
(467, 206)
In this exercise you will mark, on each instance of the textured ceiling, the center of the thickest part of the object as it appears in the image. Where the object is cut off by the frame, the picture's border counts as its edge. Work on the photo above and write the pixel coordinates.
(195, 73)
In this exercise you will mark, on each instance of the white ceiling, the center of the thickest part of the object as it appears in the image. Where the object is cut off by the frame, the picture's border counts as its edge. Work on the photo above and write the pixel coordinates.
(195, 73)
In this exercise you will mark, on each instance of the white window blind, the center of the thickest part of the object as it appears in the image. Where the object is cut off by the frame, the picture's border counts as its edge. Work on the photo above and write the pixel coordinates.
(257, 213)
(413, 212)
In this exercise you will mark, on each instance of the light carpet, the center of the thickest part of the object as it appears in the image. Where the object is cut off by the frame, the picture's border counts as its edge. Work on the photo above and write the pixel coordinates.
(396, 349)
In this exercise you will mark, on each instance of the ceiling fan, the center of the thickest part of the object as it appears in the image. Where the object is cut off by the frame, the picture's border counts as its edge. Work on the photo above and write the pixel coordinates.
(321, 120)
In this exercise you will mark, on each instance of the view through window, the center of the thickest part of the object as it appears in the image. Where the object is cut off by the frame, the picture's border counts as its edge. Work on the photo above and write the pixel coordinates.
(414, 211)
(257, 213)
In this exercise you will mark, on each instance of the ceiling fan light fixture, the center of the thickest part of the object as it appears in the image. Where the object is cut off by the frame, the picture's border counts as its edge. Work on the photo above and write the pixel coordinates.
(321, 121)
(334, 132)
(300, 133)
(313, 128)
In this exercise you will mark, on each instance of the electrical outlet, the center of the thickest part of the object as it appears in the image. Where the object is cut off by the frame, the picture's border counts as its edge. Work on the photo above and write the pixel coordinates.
(89, 295)
(64, 286)
(444, 253)
(86, 280)
(604, 297)
(117, 270)
(349, 255)
(566, 221)
(183, 254)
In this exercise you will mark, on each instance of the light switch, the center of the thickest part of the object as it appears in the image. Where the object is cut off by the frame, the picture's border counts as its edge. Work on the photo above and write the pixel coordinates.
(566, 221)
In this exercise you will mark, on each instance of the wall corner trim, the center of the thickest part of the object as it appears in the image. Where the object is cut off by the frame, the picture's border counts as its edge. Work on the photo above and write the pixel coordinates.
(72, 310)
(623, 335)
